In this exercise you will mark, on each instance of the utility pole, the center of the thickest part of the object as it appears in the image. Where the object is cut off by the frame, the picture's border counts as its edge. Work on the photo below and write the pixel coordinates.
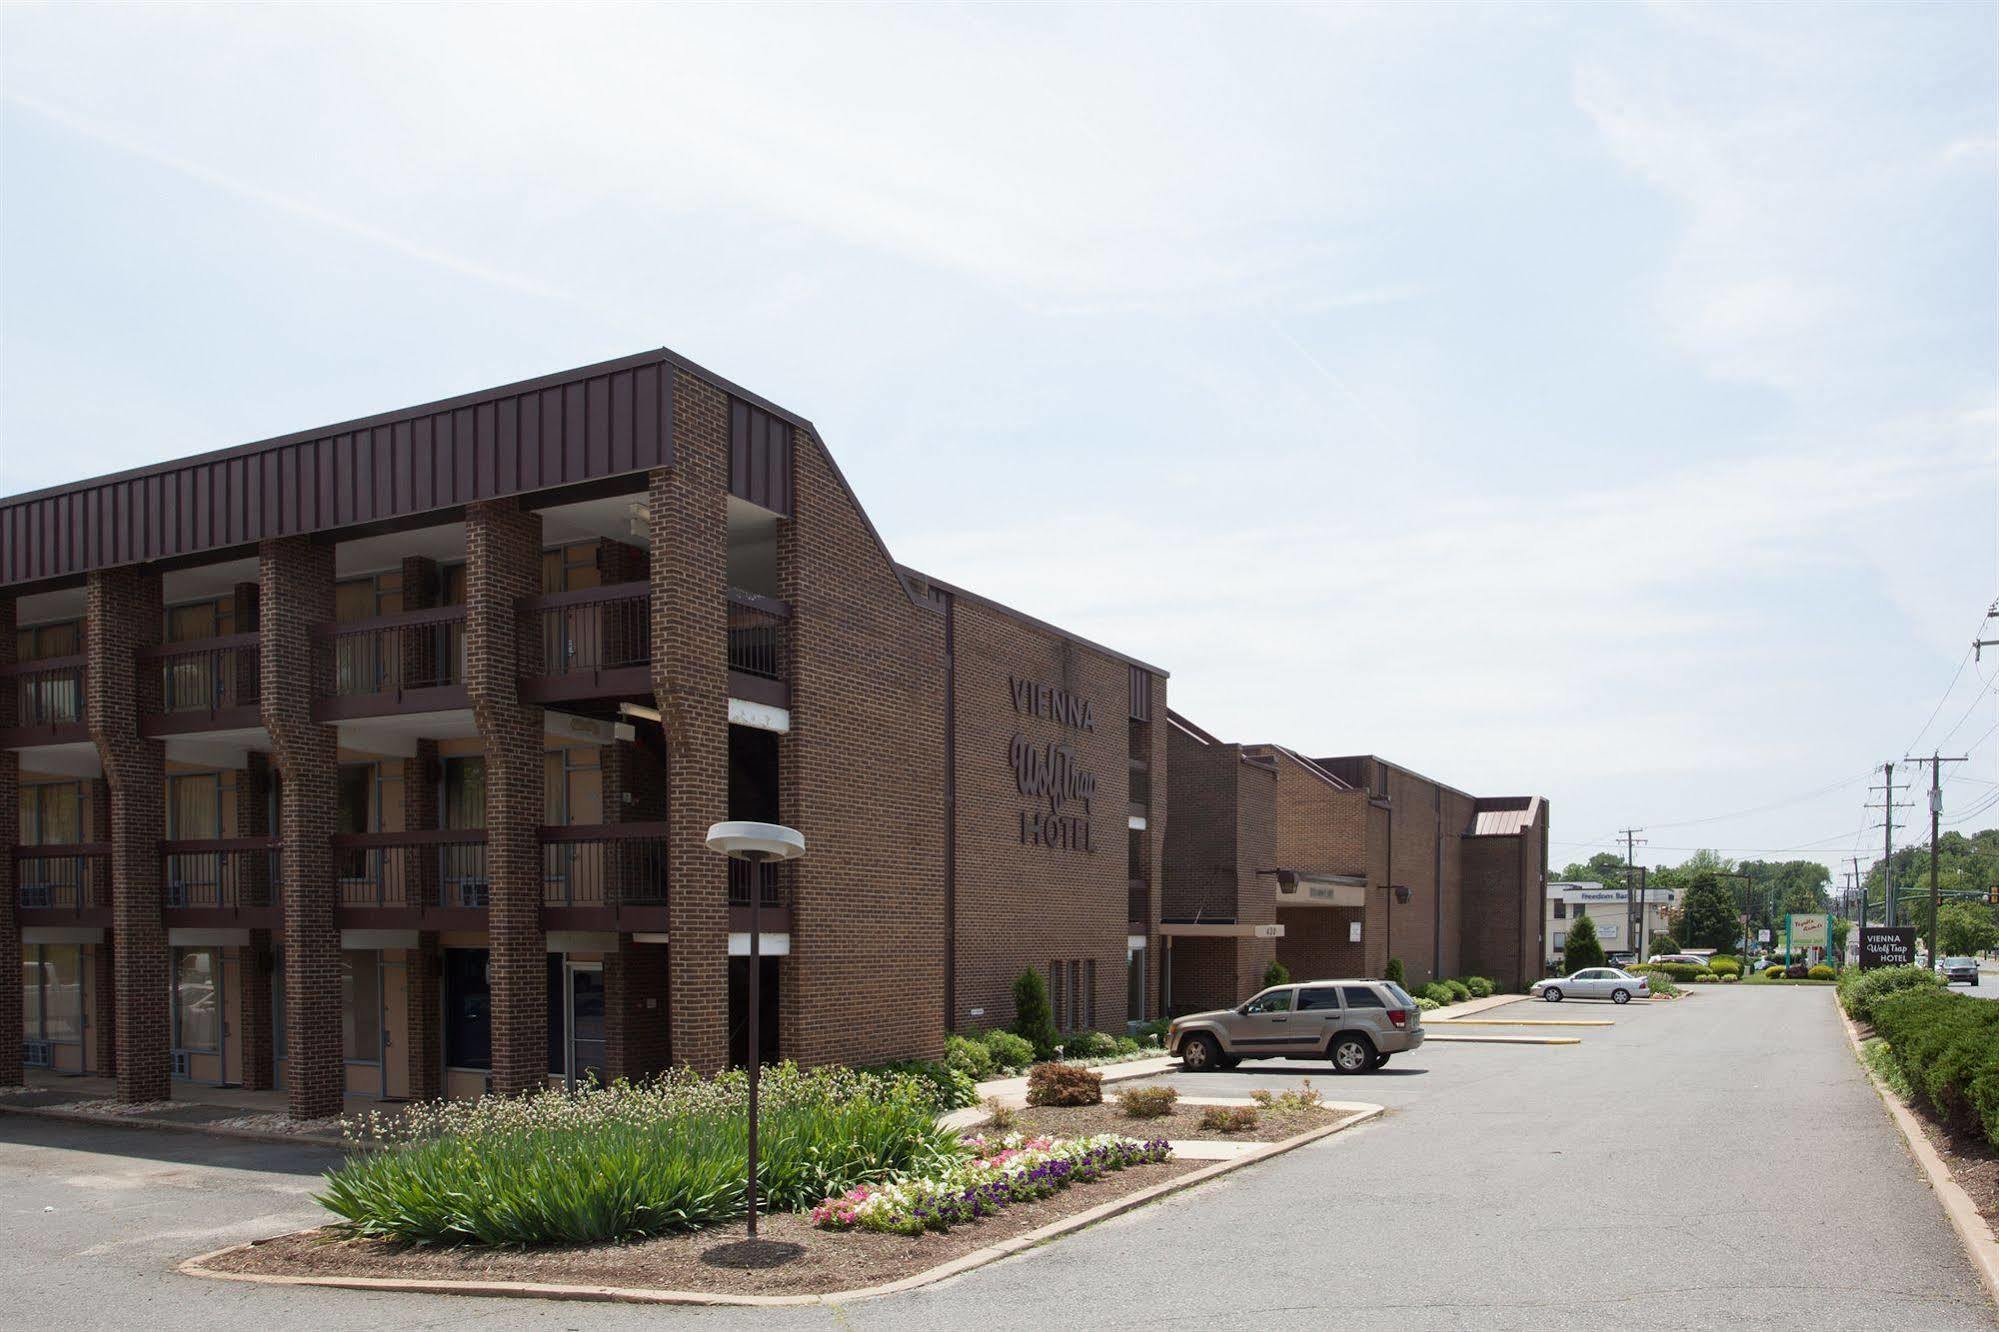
(1631, 840)
(1936, 762)
(1887, 808)
(1644, 919)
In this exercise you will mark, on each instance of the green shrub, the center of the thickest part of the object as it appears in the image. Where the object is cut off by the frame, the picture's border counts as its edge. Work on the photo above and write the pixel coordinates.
(1296, 1101)
(1000, 1117)
(1660, 984)
(1010, 1053)
(1229, 1118)
(1064, 1084)
(1704, 976)
(631, 1160)
(1154, 1033)
(1147, 1102)
(1480, 987)
(1822, 972)
(1773, 973)
(1437, 993)
(1395, 972)
(1033, 1019)
(1424, 1005)
(1127, 1045)
(1088, 1045)
(1581, 948)
(1459, 990)
(1276, 974)
(1664, 943)
(953, 1089)
(969, 1057)
(1946, 1045)
(1728, 977)
(1724, 966)
(1679, 971)
(1860, 990)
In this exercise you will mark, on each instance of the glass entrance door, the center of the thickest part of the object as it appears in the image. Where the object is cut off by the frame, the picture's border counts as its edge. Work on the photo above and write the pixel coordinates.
(586, 1021)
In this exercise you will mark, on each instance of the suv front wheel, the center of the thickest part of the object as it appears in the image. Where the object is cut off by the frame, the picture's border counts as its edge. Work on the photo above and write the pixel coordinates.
(1200, 1053)
(1351, 1053)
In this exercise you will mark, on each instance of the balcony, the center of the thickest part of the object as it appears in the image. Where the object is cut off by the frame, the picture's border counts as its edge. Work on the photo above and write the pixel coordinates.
(412, 662)
(48, 702)
(758, 629)
(70, 881)
(206, 684)
(606, 875)
(222, 880)
(773, 907)
(437, 873)
(595, 643)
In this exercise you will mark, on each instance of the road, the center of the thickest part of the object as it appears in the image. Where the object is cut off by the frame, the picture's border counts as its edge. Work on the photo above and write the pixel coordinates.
(1718, 1161)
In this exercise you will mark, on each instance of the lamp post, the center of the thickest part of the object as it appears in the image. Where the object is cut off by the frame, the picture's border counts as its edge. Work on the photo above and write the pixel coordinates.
(756, 843)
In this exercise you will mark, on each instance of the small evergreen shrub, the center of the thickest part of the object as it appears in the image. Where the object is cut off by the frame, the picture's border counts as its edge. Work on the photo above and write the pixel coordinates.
(1437, 994)
(1010, 1053)
(1822, 972)
(1773, 973)
(1459, 990)
(1480, 987)
(1395, 972)
(1580, 948)
(1229, 1118)
(1087, 1045)
(1064, 1084)
(1147, 1102)
(1033, 1019)
(1276, 974)
(1127, 1045)
(1154, 1033)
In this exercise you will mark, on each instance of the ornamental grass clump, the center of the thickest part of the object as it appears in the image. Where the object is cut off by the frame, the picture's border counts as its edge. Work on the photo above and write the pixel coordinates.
(630, 1160)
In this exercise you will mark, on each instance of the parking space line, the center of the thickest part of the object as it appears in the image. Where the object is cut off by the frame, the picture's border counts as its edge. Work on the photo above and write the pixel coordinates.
(1484, 1039)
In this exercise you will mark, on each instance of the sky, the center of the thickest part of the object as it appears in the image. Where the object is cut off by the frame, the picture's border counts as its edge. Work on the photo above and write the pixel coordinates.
(1595, 402)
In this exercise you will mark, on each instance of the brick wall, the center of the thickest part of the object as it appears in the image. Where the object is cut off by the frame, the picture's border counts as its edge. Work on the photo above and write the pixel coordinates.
(635, 1000)
(10, 837)
(861, 774)
(1027, 905)
(688, 506)
(124, 613)
(503, 565)
(296, 593)
(423, 995)
(1201, 860)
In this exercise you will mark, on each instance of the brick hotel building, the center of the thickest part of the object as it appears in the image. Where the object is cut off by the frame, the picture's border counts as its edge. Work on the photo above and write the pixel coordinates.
(320, 769)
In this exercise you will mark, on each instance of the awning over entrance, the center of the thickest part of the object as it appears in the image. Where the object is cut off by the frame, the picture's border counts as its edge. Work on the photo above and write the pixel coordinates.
(1303, 888)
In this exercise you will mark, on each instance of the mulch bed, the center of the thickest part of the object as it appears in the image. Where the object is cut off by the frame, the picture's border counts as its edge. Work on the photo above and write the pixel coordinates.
(1183, 1125)
(791, 1256)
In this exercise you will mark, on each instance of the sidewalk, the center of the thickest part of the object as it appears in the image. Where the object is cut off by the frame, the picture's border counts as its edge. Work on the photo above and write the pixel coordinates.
(226, 1111)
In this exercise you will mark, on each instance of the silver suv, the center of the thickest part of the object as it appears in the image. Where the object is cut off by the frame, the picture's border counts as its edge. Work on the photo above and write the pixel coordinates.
(1357, 1024)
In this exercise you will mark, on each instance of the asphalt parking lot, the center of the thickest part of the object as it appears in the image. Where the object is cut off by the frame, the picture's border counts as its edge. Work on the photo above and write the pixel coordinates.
(1721, 1160)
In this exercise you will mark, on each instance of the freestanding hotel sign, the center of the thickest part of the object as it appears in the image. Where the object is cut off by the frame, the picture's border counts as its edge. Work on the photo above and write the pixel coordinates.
(1805, 932)
(1886, 946)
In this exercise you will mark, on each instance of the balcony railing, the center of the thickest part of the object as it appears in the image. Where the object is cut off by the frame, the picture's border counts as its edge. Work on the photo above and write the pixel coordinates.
(223, 874)
(209, 674)
(593, 630)
(743, 873)
(604, 865)
(393, 655)
(443, 867)
(756, 634)
(70, 877)
(48, 692)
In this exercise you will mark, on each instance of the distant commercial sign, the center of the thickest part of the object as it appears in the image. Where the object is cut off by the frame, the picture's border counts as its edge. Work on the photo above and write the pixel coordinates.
(1807, 931)
(1881, 946)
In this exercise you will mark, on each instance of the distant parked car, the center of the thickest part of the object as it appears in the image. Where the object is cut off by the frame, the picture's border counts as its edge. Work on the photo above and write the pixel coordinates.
(1623, 959)
(1356, 1024)
(1620, 987)
(1684, 959)
(1955, 969)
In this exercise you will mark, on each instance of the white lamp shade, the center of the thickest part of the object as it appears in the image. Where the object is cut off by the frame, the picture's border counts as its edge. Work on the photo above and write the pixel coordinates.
(765, 841)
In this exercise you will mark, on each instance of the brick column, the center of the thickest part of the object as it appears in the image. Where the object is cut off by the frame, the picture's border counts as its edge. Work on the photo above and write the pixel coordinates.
(124, 613)
(420, 774)
(296, 595)
(635, 1011)
(98, 816)
(689, 572)
(10, 837)
(104, 1015)
(424, 993)
(503, 564)
(253, 819)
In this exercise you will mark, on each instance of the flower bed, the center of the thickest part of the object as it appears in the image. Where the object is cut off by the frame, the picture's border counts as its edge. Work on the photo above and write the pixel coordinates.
(999, 1173)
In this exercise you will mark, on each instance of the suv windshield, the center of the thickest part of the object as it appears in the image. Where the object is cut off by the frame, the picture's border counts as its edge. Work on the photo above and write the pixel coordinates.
(1401, 995)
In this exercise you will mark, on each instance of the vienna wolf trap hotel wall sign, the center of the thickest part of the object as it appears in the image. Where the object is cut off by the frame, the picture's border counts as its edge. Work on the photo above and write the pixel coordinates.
(1051, 774)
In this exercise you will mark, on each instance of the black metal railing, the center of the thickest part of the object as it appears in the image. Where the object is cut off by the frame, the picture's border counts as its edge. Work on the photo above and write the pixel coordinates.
(743, 873)
(595, 629)
(443, 867)
(48, 692)
(757, 634)
(225, 873)
(209, 674)
(393, 654)
(74, 876)
(604, 865)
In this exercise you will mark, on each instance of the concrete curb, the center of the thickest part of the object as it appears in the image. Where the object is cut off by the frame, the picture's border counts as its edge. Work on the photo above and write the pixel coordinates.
(173, 1126)
(1457, 1012)
(1973, 1231)
(198, 1266)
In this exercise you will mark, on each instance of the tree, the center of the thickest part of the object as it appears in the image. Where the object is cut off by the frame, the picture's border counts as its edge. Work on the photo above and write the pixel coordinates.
(1664, 943)
(1276, 974)
(1033, 1019)
(1394, 972)
(1580, 949)
(1841, 927)
(1708, 918)
(1965, 927)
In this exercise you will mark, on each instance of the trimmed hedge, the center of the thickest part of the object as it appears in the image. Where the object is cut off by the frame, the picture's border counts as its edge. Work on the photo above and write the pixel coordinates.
(1679, 971)
(1947, 1045)
(1860, 990)
(1821, 972)
(1724, 966)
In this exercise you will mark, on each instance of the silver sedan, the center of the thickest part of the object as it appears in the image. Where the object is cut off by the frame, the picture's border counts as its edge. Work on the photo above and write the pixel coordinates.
(1620, 987)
